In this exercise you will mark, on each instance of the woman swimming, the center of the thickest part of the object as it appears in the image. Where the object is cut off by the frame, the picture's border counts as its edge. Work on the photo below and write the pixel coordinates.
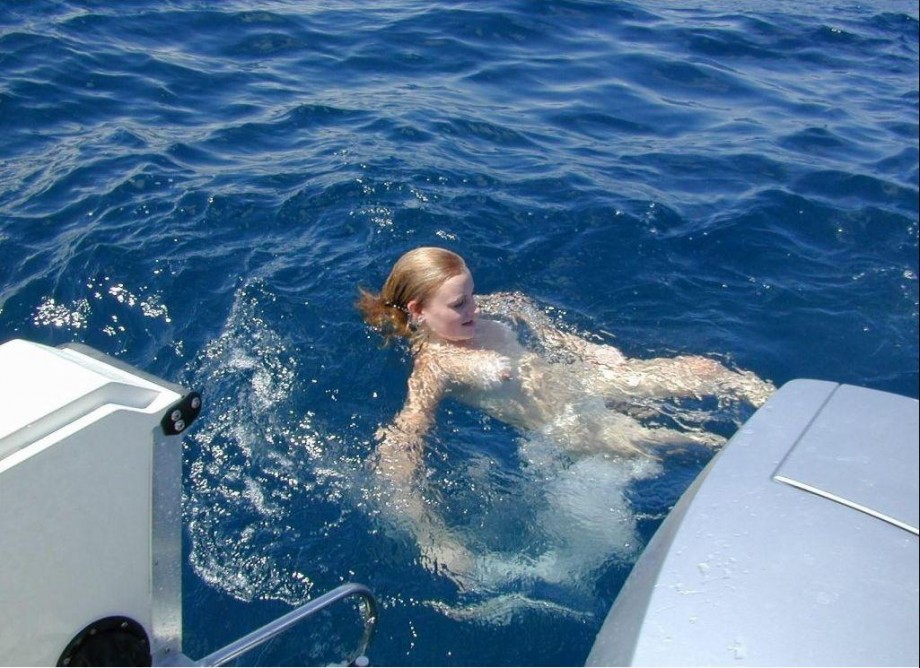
(562, 387)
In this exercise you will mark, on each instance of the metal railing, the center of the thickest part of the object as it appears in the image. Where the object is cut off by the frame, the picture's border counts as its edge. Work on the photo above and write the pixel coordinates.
(262, 635)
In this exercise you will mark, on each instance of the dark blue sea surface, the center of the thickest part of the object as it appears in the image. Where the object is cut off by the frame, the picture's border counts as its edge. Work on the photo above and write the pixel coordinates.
(198, 187)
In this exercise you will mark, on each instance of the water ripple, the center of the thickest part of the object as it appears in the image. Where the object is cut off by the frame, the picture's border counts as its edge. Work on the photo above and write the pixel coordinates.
(199, 187)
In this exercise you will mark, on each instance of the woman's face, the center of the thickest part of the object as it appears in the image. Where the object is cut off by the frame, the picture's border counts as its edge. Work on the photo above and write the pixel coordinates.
(450, 314)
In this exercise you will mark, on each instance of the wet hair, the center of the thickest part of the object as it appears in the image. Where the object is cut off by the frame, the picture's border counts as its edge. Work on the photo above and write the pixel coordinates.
(416, 276)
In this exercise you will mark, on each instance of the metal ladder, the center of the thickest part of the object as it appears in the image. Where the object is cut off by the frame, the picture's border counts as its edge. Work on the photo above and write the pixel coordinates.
(262, 635)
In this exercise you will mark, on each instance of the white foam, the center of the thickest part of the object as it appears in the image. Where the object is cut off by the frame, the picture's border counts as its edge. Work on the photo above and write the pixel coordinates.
(504, 609)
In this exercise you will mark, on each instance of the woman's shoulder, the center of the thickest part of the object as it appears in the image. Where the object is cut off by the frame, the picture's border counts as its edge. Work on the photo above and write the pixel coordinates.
(493, 332)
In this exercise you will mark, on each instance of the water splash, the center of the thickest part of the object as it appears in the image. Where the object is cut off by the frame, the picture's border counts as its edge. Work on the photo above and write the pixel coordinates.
(241, 481)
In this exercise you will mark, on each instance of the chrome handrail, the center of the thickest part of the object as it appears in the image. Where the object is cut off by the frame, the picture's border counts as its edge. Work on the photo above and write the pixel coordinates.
(285, 622)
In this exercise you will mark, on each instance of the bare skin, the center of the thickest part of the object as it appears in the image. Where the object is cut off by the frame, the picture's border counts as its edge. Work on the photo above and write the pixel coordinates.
(491, 370)
(480, 362)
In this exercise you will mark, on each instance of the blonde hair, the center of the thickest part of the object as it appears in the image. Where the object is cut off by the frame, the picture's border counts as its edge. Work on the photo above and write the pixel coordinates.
(416, 276)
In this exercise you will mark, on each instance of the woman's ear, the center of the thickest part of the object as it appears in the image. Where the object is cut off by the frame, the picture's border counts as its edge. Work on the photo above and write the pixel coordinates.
(414, 308)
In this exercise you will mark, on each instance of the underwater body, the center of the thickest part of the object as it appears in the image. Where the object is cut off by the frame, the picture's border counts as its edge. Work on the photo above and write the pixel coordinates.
(198, 188)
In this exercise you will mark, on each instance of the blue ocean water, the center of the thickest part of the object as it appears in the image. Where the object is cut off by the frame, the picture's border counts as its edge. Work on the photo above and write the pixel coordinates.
(198, 187)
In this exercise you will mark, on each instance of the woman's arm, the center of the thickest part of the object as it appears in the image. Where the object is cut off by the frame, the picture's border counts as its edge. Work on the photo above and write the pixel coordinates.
(687, 375)
(400, 456)
(401, 443)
